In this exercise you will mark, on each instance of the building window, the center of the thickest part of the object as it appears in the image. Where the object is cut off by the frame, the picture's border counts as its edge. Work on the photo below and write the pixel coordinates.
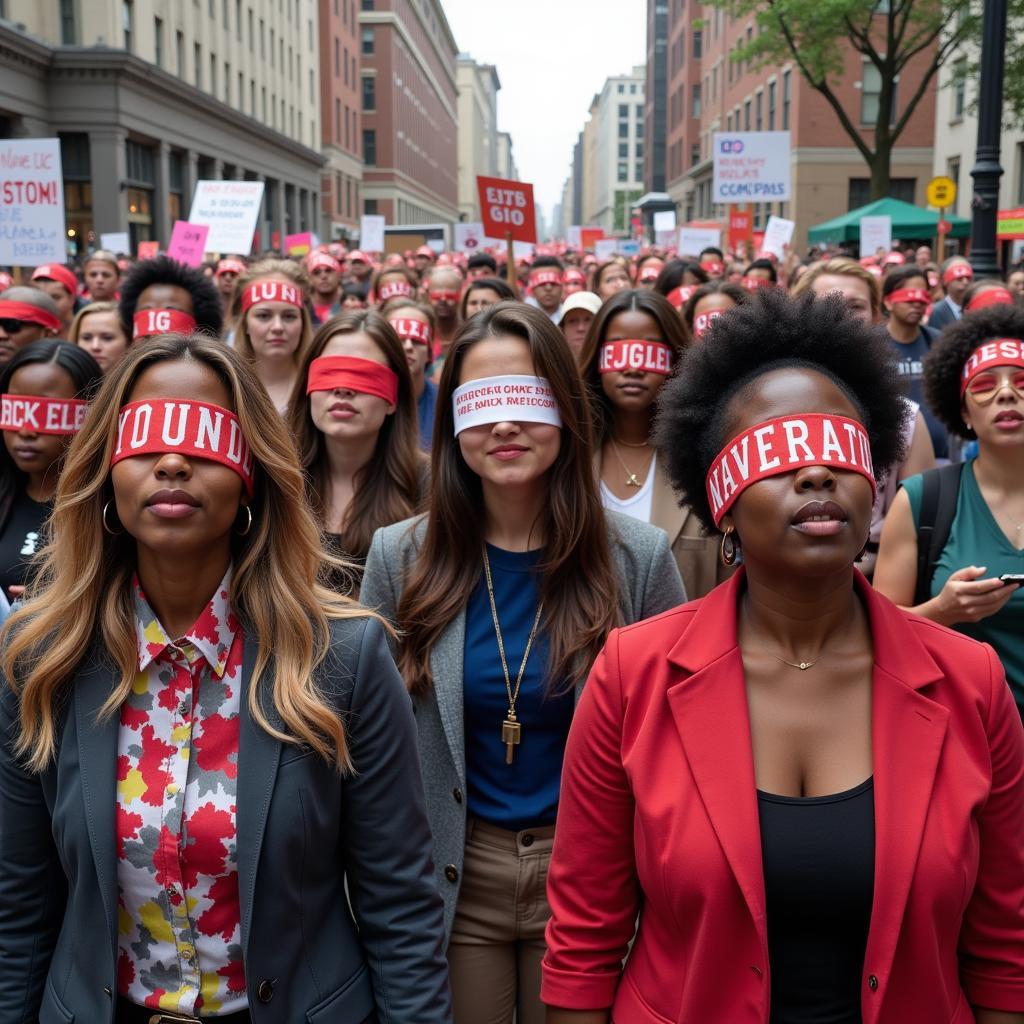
(623, 172)
(959, 87)
(639, 172)
(758, 118)
(197, 57)
(227, 83)
(623, 110)
(639, 151)
(252, 96)
(179, 53)
(871, 88)
(623, 129)
(263, 102)
(368, 47)
(346, 63)
(771, 106)
(367, 6)
(369, 205)
(127, 22)
(158, 42)
(337, 121)
(252, 31)
(263, 39)
(698, 43)
(859, 193)
(337, 59)
(213, 74)
(238, 20)
(68, 30)
(369, 93)
(623, 150)
(139, 163)
(695, 102)
(369, 147)
(787, 95)
(621, 89)
(639, 111)
(746, 116)
(694, 155)
(728, 122)
(953, 168)
(348, 138)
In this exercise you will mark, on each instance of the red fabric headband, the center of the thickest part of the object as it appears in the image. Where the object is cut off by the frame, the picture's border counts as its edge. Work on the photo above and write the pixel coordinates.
(444, 295)
(894, 257)
(999, 352)
(322, 259)
(42, 415)
(393, 289)
(574, 276)
(649, 274)
(753, 283)
(679, 296)
(990, 297)
(784, 445)
(412, 330)
(713, 266)
(702, 322)
(957, 271)
(271, 291)
(55, 272)
(162, 321)
(195, 429)
(636, 354)
(909, 295)
(25, 311)
(542, 277)
(230, 267)
(347, 372)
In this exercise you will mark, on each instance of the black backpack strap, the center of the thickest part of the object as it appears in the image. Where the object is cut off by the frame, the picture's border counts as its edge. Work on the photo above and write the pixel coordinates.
(940, 491)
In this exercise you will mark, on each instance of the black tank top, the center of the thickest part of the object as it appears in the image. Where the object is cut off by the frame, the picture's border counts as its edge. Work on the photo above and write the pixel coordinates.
(819, 864)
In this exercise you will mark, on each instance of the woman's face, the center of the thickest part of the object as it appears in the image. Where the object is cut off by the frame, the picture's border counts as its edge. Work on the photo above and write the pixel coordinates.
(632, 390)
(770, 516)
(170, 502)
(510, 453)
(416, 355)
(33, 453)
(1015, 282)
(575, 325)
(101, 335)
(855, 292)
(275, 330)
(342, 414)
(480, 298)
(993, 407)
(614, 279)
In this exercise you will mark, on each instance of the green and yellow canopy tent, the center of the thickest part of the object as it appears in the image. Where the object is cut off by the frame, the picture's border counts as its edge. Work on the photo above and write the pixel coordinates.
(908, 222)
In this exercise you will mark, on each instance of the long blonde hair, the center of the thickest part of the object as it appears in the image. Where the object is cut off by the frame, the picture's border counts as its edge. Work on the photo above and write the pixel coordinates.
(82, 593)
(290, 271)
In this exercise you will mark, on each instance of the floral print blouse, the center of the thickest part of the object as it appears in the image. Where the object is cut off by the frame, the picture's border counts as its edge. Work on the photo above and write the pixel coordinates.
(179, 930)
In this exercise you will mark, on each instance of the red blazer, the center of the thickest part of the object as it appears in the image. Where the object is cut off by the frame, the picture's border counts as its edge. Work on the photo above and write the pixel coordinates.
(658, 817)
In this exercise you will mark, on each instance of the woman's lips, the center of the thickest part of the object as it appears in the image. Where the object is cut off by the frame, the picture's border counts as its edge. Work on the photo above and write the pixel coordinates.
(1009, 420)
(820, 518)
(172, 504)
(508, 452)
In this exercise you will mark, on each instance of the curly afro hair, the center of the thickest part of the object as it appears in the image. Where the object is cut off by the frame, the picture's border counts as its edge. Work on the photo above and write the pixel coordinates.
(769, 332)
(945, 360)
(164, 270)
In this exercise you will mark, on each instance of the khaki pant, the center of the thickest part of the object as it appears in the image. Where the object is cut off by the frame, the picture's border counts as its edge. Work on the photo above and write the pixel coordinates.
(497, 940)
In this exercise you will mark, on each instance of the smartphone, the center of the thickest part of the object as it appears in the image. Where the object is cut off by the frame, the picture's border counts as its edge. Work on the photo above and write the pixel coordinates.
(1012, 577)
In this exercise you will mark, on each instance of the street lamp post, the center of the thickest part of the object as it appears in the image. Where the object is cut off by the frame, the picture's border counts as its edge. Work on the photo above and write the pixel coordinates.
(987, 169)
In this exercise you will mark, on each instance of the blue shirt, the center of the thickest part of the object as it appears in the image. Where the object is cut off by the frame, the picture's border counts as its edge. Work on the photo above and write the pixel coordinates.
(425, 406)
(523, 794)
(910, 365)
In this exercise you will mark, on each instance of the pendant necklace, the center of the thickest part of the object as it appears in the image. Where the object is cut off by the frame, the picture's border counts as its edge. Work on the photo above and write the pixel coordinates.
(632, 480)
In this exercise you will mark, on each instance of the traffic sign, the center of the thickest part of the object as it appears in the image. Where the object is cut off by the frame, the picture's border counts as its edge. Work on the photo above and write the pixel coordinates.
(941, 192)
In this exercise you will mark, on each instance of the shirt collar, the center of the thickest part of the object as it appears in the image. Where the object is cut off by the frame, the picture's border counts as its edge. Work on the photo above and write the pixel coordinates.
(953, 306)
(211, 635)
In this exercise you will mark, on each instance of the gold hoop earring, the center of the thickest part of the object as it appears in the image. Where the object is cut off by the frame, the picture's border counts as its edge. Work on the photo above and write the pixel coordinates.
(248, 525)
(106, 525)
(728, 555)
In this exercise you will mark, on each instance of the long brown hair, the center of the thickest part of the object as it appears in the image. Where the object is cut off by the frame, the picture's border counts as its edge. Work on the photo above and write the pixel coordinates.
(387, 488)
(83, 592)
(644, 300)
(579, 585)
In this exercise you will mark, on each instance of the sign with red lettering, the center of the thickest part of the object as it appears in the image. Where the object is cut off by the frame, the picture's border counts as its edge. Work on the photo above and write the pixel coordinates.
(31, 203)
(741, 227)
(507, 208)
(148, 250)
(188, 242)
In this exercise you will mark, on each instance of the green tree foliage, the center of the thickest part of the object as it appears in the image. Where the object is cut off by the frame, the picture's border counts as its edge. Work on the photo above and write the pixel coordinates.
(816, 34)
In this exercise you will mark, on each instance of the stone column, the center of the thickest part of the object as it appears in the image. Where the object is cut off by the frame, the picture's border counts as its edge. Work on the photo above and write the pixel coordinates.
(108, 163)
(279, 212)
(161, 195)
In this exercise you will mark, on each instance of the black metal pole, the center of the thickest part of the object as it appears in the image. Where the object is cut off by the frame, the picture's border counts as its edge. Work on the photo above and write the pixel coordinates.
(987, 169)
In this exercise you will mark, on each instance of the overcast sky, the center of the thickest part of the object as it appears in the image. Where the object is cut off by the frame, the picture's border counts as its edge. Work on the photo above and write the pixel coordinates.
(552, 56)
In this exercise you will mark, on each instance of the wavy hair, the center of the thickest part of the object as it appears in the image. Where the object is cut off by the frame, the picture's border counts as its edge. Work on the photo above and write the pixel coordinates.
(290, 271)
(579, 586)
(83, 594)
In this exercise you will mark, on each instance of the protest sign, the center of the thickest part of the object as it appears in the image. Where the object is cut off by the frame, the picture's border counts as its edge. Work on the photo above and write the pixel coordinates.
(573, 236)
(188, 242)
(31, 203)
(147, 250)
(778, 233)
(664, 220)
(605, 248)
(469, 237)
(741, 225)
(507, 208)
(115, 242)
(875, 234)
(589, 237)
(230, 210)
(371, 232)
(299, 244)
(751, 166)
(692, 241)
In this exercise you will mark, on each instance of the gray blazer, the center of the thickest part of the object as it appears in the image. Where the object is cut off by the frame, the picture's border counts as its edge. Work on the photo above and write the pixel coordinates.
(305, 835)
(649, 584)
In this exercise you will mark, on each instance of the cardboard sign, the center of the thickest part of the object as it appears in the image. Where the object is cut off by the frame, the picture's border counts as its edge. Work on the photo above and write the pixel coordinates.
(148, 250)
(188, 242)
(299, 244)
(230, 210)
(875, 234)
(469, 237)
(507, 208)
(751, 167)
(371, 232)
(589, 237)
(1010, 224)
(116, 242)
(778, 233)
(741, 224)
(692, 241)
(630, 246)
(31, 203)
(573, 237)
(606, 248)
(664, 220)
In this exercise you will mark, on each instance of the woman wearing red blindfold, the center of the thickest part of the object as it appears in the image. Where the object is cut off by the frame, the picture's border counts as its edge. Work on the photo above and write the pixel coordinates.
(974, 378)
(272, 325)
(708, 302)
(232, 744)
(737, 764)
(353, 418)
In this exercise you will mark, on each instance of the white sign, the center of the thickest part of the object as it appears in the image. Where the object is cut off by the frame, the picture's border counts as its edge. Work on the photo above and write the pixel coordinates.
(778, 233)
(573, 237)
(230, 209)
(31, 203)
(606, 248)
(115, 242)
(693, 241)
(664, 220)
(875, 234)
(751, 167)
(371, 232)
(469, 237)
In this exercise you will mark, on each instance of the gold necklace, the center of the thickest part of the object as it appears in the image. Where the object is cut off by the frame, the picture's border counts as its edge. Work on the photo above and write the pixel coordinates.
(632, 480)
(802, 665)
(511, 728)
(632, 444)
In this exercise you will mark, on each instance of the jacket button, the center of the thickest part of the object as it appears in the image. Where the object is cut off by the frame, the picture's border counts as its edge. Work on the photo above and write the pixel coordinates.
(527, 840)
(457, 793)
(872, 983)
(451, 873)
(265, 991)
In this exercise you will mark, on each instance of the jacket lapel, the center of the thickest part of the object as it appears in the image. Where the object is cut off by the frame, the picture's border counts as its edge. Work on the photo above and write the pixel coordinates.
(446, 666)
(666, 511)
(258, 756)
(97, 762)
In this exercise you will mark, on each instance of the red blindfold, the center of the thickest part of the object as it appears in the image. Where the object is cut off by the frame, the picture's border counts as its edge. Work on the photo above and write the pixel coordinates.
(352, 374)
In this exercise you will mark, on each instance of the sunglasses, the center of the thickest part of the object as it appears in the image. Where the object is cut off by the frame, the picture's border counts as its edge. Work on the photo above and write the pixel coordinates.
(985, 386)
(11, 326)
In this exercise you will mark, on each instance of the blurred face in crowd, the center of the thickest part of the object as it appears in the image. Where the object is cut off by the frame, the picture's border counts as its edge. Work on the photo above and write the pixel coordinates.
(575, 325)
(326, 281)
(614, 279)
(102, 336)
(957, 288)
(64, 299)
(909, 314)
(855, 292)
(101, 280)
(480, 298)
(359, 269)
(1015, 282)
(548, 296)
(923, 256)
(225, 282)
(444, 290)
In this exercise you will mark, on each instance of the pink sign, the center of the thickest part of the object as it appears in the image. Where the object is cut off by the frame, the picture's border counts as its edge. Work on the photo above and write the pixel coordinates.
(188, 242)
(298, 245)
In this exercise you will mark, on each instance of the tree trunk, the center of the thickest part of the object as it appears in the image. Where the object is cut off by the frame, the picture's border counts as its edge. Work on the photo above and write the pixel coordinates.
(881, 171)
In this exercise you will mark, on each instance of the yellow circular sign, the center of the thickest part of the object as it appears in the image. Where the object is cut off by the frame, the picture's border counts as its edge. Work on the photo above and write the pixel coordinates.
(941, 192)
